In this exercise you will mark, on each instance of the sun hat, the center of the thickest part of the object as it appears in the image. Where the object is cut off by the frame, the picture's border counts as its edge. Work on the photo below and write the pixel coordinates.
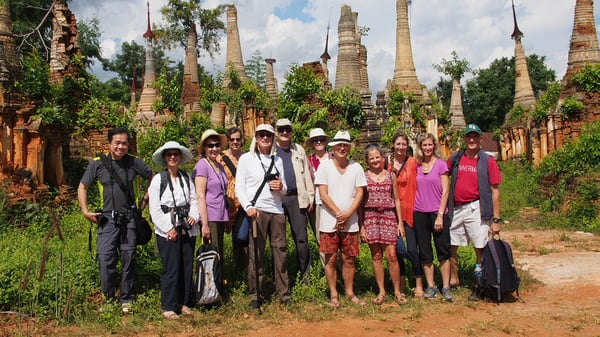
(158, 158)
(314, 133)
(341, 137)
(472, 128)
(283, 122)
(210, 133)
(265, 127)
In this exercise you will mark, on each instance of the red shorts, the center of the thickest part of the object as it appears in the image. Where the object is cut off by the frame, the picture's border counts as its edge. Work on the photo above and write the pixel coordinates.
(330, 243)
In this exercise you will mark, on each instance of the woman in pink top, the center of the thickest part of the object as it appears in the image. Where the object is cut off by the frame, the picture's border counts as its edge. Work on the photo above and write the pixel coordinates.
(211, 189)
(430, 215)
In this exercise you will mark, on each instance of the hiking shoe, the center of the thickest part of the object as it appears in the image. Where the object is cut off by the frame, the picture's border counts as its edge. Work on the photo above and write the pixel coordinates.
(126, 307)
(430, 292)
(447, 294)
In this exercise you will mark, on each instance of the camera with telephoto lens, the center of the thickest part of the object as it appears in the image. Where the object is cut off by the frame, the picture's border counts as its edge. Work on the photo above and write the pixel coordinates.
(182, 217)
(100, 219)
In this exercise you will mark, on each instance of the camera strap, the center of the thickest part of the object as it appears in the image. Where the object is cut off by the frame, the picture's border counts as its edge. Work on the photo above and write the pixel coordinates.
(180, 176)
(107, 162)
(262, 185)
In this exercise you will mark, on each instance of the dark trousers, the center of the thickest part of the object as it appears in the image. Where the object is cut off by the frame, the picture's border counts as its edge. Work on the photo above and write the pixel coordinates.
(178, 268)
(413, 252)
(424, 223)
(298, 223)
(112, 243)
(272, 225)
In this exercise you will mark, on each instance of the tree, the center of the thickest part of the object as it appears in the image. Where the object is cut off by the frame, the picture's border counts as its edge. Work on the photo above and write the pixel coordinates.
(489, 95)
(181, 15)
(256, 69)
(132, 60)
(89, 41)
(32, 25)
(455, 68)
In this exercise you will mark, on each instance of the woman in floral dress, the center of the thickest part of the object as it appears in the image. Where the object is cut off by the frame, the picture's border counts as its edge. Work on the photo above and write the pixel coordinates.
(382, 223)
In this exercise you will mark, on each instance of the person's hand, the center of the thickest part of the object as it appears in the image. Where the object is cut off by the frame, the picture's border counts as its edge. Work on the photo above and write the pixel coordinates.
(363, 235)
(276, 184)
(92, 216)
(439, 223)
(341, 220)
(191, 221)
(252, 212)
(172, 235)
(205, 231)
(228, 227)
(310, 208)
(495, 228)
(401, 229)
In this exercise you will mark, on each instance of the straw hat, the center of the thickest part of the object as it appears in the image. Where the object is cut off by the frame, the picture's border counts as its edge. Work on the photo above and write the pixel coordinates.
(158, 155)
(314, 133)
(341, 137)
(210, 133)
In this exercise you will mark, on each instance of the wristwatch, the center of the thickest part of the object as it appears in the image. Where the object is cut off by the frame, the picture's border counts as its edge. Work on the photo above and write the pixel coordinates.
(496, 220)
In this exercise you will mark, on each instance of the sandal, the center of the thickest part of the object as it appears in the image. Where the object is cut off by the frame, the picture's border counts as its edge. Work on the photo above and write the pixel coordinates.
(185, 310)
(334, 302)
(355, 300)
(419, 294)
(379, 299)
(170, 315)
(401, 299)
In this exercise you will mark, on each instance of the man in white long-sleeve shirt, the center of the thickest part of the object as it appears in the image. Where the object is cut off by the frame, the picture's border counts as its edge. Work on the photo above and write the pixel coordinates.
(261, 163)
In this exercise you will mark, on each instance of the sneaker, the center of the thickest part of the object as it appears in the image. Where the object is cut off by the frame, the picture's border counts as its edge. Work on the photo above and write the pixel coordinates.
(288, 302)
(447, 294)
(430, 292)
(126, 307)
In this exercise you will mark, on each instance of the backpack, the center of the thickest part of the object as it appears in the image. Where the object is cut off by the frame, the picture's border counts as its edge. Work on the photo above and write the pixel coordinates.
(498, 274)
(164, 180)
(208, 285)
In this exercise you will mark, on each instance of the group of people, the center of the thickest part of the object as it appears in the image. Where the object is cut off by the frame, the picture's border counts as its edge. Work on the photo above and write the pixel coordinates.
(399, 200)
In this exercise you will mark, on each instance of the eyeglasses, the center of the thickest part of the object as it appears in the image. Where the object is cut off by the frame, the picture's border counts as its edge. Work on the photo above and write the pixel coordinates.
(233, 140)
(283, 129)
(213, 145)
(264, 134)
(319, 140)
(172, 154)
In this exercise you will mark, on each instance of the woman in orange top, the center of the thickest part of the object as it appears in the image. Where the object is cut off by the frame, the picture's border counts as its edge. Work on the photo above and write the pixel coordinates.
(405, 168)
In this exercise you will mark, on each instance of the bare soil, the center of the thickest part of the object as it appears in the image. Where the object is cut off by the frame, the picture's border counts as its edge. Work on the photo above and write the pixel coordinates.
(560, 297)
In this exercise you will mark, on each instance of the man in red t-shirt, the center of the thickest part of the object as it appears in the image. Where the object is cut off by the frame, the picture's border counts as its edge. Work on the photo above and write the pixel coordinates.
(474, 200)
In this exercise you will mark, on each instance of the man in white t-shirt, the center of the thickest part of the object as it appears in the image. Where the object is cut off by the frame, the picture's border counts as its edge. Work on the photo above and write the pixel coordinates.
(341, 185)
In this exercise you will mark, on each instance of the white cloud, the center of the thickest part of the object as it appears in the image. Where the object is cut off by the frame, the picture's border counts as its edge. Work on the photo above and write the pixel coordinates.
(479, 30)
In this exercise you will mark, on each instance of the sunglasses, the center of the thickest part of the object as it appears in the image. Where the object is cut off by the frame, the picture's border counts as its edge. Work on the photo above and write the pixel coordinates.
(213, 145)
(319, 140)
(172, 154)
(264, 134)
(283, 129)
(233, 140)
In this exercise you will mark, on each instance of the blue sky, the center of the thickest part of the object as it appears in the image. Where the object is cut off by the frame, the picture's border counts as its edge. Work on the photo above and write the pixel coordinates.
(294, 31)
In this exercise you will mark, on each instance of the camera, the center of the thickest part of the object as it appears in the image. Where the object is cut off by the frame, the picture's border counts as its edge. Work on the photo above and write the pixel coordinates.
(100, 219)
(182, 217)
(120, 218)
(271, 176)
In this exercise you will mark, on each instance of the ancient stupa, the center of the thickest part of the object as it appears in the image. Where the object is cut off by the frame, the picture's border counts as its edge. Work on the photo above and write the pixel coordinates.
(524, 95)
(148, 95)
(233, 58)
(405, 75)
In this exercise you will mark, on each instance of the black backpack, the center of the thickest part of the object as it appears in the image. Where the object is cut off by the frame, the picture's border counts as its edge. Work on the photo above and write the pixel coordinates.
(498, 273)
(164, 180)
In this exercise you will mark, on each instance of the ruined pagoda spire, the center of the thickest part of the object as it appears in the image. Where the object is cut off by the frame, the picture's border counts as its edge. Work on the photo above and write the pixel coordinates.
(148, 95)
(405, 75)
(584, 39)
(347, 70)
(9, 58)
(524, 95)
(271, 80)
(234, 58)
(190, 93)
(325, 56)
